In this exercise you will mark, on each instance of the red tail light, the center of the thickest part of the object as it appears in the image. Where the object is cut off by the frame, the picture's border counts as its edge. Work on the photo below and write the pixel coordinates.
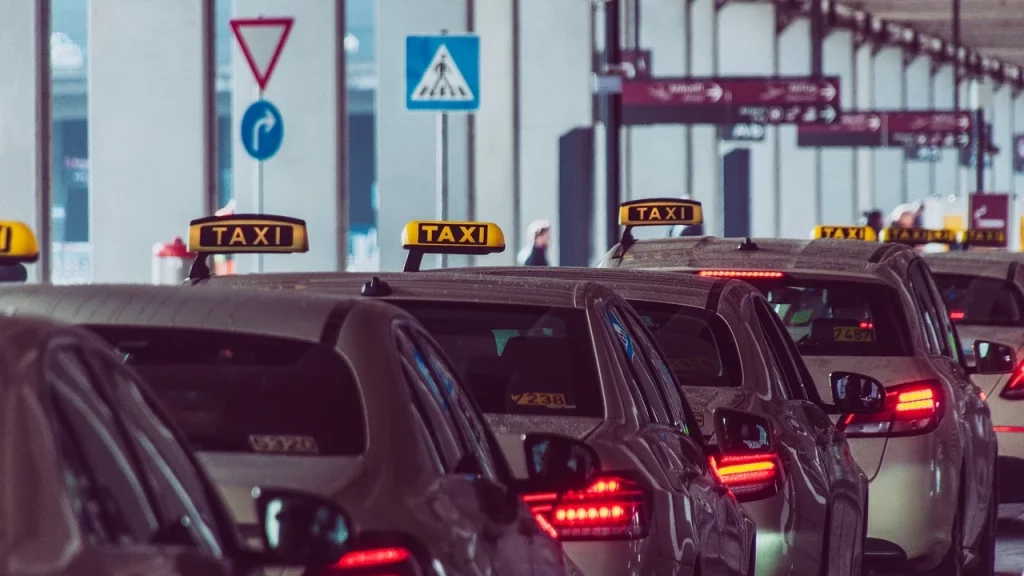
(762, 274)
(389, 560)
(1014, 389)
(612, 508)
(909, 409)
(748, 477)
(867, 326)
(957, 314)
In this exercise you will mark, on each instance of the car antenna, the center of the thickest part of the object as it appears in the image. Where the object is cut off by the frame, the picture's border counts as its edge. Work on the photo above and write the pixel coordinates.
(375, 287)
(200, 269)
(747, 244)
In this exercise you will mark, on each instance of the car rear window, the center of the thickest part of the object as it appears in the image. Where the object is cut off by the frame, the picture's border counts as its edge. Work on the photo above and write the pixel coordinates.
(980, 301)
(840, 317)
(246, 393)
(697, 343)
(518, 359)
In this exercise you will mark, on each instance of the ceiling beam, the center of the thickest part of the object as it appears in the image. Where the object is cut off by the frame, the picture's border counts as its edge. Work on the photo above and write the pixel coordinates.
(966, 17)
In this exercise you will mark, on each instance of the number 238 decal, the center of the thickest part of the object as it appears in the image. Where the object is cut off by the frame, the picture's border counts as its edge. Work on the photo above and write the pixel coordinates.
(541, 399)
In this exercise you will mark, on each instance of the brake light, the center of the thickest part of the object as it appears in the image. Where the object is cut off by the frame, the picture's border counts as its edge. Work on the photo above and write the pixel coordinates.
(1014, 429)
(1014, 389)
(748, 477)
(612, 507)
(909, 409)
(957, 314)
(390, 560)
(867, 326)
(763, 274)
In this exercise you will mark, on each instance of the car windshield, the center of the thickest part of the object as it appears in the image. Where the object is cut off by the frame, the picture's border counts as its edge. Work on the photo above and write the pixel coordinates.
(697, 343)
(243, 393)
(840, 317)
(980, 301)
(518, 359)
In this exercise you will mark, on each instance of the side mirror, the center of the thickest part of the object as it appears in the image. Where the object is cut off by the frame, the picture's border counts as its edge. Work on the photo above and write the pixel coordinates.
(559, 464)
(742, 432)
(301, 529)
(854, 393)
(993, 358)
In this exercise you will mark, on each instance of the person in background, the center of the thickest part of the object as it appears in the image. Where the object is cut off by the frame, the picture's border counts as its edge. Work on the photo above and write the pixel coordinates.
(904, 216)
(875, 220)
(536, 253)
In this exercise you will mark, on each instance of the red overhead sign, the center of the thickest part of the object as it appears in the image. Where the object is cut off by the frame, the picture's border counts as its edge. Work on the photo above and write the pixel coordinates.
(879, 128)
(767, 100)
(261, 41)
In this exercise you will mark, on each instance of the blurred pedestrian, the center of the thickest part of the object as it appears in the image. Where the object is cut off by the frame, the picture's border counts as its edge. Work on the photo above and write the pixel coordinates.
(903, 216)
(538, 233)
(875, 220)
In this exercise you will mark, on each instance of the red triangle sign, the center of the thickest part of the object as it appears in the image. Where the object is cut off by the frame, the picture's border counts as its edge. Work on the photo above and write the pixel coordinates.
(261, 41)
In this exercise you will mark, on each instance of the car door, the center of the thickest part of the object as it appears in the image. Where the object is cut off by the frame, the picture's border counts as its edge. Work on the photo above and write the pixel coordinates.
(725, 524)
(977, 417)
(522, 537)
(124, 525)
(463, 498)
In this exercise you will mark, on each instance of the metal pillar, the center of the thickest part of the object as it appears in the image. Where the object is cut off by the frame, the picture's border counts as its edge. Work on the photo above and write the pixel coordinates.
(956, 54)
(612, 113)
(44, 142)
(980, 147)
(817, 37)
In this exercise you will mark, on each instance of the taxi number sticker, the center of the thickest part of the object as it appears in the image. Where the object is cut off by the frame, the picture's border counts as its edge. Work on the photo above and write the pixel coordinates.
(279, 443)
(849, 334)
(696, 364)
(540, 399)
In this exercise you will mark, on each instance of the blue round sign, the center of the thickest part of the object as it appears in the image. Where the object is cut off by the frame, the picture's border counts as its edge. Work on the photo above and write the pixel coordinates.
(262, 130)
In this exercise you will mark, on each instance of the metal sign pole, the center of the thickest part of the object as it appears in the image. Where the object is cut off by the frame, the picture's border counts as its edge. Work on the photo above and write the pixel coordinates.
(442, 176)
(980, 148)
(258, 203)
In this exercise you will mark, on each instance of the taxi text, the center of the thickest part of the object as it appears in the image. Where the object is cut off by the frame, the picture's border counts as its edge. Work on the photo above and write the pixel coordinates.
(845, 232)
(246, 235)
(920, 236)
(663, 214)
(444, 234)
(980, 237)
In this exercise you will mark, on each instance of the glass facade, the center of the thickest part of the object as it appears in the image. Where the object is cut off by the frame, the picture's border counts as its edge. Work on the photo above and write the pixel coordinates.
(71, 261)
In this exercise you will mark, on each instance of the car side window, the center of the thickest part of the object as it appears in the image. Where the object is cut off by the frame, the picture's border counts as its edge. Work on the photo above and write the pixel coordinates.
(929, 314)
(181, 493)
(465, 411)
(640, 373)
(427, 393)
(952, 341)
(668, 388)
(97, 461)
(791, 357)
(787, 371)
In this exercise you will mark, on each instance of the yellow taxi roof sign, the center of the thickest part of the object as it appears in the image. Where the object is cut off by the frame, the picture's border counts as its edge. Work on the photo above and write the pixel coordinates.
(660, 212)
(984, 237)
(920, 236)
(17, 243)
(866, 233)
(247, 234)
(421, 237)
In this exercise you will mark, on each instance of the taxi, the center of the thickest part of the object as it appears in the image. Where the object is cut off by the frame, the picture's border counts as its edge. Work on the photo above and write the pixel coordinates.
(984, 293)
(343, 397)
(848, 304)
(98, 480)
(571, 356)
(727, 348)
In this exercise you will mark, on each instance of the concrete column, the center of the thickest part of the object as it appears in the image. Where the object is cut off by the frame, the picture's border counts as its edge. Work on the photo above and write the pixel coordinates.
(888, 94)
(555, 97)
(864, 68)
(1018, 128)
(965, 179)
(25, 123)
(747, 47)
(984, 90)
(657, 154)
(705, 163)
(799, 202)
(150, 149)
(1002, 126)
(837, 193)
(407, 141)
(918, 96)
(494, 141)
(945, 172)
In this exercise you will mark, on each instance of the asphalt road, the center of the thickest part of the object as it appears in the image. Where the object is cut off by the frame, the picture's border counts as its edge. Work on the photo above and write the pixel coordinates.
(1010, 546)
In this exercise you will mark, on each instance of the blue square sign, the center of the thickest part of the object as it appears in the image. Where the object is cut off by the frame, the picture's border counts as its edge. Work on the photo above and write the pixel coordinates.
(442, 73)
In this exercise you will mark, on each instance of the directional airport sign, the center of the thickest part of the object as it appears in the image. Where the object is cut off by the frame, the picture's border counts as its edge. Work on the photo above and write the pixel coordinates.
(901, 128)
(262, 130)
(442, 73)
(261, 41)
(734, 100)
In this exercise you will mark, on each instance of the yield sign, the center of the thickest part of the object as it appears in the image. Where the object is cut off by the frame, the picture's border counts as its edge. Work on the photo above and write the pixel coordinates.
(261, 41)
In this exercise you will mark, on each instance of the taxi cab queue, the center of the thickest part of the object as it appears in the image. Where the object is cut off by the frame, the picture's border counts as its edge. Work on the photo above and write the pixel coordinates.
(766, 443)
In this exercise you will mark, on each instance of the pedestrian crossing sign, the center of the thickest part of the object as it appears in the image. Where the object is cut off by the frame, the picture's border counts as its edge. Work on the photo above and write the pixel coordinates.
(442, 73)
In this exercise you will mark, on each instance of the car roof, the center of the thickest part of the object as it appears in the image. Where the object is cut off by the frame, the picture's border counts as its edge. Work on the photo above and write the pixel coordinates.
(552, 292)
(1002, 265)
(283, 314)
(845, 257)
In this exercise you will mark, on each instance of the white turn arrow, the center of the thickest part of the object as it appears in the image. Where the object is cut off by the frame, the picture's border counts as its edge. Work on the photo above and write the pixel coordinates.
(714, 92)
(828, 113)
(874, 122)
(263, 125)
(828, 92)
